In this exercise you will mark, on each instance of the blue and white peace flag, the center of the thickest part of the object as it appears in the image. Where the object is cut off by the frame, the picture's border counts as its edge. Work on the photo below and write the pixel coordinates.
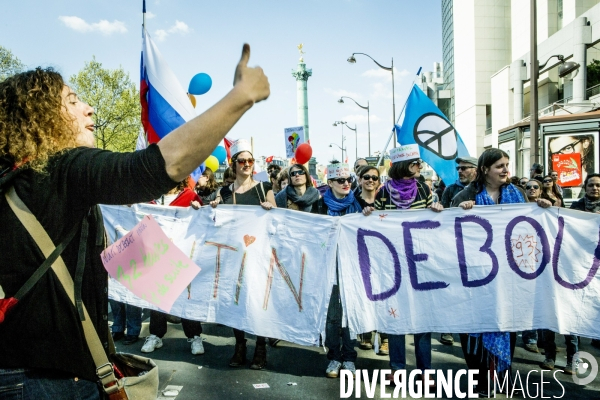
(439, 143)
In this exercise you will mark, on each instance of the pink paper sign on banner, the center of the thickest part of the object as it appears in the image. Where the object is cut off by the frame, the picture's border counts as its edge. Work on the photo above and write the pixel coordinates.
(149, 264)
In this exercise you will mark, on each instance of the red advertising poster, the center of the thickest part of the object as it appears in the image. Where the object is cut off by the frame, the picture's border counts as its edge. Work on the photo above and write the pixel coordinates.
(568, 167)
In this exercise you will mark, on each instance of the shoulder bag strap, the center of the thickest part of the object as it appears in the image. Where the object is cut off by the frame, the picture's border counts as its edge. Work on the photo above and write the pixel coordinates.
(104, 369)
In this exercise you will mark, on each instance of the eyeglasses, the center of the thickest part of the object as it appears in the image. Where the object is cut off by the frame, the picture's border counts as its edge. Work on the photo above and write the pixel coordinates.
(523, 182)
(547, 181)
(529, 187)
(243, 161)
(373, 178)
(296, 173)
(417, 163)
(463, 168)
(568, 149)
(341, 181)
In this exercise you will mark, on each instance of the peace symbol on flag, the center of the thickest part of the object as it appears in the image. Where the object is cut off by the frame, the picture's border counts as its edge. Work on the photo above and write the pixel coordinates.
(436, 134)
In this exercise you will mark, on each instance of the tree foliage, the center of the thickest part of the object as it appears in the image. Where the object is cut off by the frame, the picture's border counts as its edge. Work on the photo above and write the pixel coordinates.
(9, 64)
(593, 73)
(116, 102)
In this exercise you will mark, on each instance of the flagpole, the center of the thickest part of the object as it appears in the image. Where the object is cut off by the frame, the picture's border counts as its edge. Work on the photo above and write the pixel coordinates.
(143, 16)
(382, 155)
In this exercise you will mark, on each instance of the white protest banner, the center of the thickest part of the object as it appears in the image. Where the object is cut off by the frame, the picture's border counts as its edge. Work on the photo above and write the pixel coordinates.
(294, 137)
(500, 268)
(265, 272)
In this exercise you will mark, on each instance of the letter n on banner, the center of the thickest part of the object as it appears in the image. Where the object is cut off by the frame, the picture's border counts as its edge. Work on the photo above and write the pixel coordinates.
(286, 277)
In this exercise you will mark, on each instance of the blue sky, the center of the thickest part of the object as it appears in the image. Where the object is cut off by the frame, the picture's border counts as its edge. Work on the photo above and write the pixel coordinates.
(207, 36)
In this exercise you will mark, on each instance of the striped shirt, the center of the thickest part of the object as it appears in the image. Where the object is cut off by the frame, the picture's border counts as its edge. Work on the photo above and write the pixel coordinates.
(383, 200)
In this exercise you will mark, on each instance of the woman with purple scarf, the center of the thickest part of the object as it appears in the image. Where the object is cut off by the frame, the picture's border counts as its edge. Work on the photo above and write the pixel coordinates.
(403, 191)
(490, 351)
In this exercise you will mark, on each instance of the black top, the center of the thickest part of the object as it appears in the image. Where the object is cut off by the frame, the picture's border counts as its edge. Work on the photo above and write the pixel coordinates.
(43, 330)
(579, 205)
(363, 203)
(449, 193)
(252, 197)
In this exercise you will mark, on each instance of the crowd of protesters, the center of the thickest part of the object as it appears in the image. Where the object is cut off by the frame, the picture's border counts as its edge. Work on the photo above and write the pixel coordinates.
(69, 176)
(481, 181)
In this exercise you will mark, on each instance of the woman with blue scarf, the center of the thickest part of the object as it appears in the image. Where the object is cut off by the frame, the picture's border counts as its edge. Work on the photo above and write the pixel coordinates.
(490, 351)
(338, 200)
(403, 191)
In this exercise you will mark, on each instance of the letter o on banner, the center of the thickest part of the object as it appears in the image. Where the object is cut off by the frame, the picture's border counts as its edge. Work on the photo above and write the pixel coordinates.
(509, 252)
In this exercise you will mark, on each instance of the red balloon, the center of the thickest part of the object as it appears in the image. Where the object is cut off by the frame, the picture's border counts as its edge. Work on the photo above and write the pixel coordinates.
(303, 153)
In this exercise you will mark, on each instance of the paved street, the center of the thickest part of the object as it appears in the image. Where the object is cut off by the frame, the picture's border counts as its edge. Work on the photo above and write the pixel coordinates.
(208, 376)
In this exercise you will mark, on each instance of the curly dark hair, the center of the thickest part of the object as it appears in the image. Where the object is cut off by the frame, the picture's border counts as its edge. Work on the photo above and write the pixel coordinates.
(34, 122)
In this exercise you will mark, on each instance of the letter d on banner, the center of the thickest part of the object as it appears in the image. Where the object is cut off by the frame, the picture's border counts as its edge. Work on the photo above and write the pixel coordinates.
(346, 384)
(365, 264)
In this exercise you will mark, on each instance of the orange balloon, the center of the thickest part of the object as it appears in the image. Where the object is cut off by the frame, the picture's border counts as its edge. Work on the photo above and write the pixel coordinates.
(192, 99)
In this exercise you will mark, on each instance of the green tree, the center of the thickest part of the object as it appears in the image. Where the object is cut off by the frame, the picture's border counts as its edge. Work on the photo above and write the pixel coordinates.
(593, 73)
(9, 64)
(116, 102)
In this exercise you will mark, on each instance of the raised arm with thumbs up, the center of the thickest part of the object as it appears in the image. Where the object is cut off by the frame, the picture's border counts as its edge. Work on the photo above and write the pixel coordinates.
(189, 145)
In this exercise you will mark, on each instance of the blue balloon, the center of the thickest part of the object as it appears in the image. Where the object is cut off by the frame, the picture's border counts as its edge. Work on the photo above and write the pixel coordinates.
(200, 84)
(220, 153)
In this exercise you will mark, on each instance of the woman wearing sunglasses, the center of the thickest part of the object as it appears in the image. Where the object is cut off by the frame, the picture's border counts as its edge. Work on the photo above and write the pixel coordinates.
(246, 191)
(490, 188)
(299, 194)
(368, 181)
(404, 191)
(338, 200)
(533, 189)
(550, 192)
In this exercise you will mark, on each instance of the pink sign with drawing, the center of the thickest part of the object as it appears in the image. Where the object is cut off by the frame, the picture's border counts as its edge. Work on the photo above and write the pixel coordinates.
(147, 263)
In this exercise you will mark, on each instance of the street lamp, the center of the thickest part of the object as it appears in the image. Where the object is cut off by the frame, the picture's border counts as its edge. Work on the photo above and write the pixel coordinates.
(341, 148)
(336, 123)
(341, 101)
(352, 60)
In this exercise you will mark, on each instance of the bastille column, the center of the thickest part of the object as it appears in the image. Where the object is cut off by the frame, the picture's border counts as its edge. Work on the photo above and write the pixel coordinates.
(302, 74)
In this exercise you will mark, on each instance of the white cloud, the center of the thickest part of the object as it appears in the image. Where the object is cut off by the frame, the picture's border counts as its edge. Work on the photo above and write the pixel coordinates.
(381, 91)
(360, 118)
(160, 35)
(103, 26)
(150, 15)
(385, 74)
(179, 27)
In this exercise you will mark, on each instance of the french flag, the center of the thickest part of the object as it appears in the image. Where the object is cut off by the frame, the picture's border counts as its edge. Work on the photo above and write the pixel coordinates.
(165, 104)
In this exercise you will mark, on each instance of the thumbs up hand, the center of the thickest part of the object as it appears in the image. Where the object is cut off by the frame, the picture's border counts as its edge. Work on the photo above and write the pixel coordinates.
(252, 81)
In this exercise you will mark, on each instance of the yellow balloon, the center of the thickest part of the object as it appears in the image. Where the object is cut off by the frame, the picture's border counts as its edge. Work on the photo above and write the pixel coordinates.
(212, 162)
(192, 99)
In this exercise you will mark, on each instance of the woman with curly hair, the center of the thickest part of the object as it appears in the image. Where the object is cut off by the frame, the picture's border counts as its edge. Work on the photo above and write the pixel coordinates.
(47, 160)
